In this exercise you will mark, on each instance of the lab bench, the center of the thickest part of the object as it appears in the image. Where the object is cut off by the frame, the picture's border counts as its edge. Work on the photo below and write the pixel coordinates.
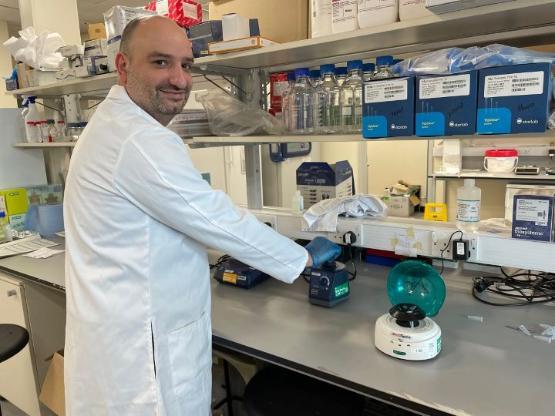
(485, 368)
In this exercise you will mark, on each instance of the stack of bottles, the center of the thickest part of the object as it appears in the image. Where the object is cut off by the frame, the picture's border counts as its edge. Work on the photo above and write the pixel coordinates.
(39, 129)
(329, 100)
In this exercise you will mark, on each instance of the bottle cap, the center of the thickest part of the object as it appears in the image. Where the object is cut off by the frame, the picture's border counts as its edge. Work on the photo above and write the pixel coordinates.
(327, 69)
(385, 60)
(301, 72)
(369, 67)
(352, 65)
(314, 73)
(340, 70)
(469, 182)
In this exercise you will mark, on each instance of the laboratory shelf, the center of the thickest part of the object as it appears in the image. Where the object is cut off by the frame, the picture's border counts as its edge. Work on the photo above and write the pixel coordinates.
(71, 86)
(298, 138)
(44, 145)
(512, 21)
(489, 175)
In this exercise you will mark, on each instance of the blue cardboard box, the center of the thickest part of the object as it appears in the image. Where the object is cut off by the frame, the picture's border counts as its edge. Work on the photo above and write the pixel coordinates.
(514, 99)
(446, 105)
(319, 180)
(204, 33)
(533, 217)
(388, 108)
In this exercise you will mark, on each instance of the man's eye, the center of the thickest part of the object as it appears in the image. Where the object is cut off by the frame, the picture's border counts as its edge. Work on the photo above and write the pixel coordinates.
(161, 62)
(187, 66)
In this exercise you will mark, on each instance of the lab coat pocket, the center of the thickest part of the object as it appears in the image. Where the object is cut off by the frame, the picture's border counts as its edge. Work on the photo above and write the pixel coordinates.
(190, 354)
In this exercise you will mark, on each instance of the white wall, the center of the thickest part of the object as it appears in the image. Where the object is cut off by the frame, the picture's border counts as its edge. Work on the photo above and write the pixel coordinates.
(45, 16)
(6, 101)
(390, 161)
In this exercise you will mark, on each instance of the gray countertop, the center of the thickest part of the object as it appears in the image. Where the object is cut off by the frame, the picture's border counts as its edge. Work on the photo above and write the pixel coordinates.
(483, 369)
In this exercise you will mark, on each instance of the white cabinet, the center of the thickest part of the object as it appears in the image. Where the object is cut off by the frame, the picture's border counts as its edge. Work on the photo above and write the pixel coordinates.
(17, 375)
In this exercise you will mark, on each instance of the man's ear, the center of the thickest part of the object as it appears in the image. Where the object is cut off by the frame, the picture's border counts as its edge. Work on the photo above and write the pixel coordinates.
(122, 66)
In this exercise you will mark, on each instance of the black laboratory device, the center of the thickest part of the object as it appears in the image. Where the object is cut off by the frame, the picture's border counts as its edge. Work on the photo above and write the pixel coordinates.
(329, 285)
(235, 273)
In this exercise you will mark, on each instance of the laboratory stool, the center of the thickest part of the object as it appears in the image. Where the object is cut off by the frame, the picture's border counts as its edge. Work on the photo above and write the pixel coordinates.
(13, 339)
(274, 391)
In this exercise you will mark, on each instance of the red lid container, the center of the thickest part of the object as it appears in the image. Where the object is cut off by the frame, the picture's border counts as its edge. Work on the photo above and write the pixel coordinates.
(501, 153)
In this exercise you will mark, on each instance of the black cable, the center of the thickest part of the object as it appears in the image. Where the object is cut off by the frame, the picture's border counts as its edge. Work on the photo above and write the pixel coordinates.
(442, 251)
(522, 288)
(222, 259)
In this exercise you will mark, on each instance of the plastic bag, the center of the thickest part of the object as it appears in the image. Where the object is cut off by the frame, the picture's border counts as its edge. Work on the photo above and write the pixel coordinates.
(228, 116)
(37, 51)
(453, 60)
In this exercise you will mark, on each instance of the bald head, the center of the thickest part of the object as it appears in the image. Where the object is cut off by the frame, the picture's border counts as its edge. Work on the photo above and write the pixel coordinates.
(151, 26)
(154, 65)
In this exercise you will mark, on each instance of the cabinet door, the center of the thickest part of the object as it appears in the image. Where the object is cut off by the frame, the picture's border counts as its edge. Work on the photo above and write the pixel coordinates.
(17, 378)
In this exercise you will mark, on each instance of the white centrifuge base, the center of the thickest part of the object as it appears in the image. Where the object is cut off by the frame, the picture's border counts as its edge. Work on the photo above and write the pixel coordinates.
(416, 344)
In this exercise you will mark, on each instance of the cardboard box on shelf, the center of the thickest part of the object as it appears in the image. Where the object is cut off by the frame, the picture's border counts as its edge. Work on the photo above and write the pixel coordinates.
(96, 31)
(271, 16)
(236, 45)
(52, 393)
(319, 180)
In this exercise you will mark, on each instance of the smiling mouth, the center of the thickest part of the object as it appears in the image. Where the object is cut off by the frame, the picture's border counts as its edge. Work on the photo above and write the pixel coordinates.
(174, 93)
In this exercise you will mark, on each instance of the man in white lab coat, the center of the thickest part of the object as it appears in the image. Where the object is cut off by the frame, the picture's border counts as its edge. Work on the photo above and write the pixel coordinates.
(138, 217)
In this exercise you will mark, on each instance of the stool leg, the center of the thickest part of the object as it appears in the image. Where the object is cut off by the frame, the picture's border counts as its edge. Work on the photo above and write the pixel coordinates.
(227, 389)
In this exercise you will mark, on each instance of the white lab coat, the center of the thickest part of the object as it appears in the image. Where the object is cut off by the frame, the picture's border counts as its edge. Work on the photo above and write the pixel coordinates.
(138, 217)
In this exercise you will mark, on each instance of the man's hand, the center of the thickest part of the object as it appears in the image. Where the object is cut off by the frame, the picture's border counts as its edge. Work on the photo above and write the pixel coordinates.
(322, 250)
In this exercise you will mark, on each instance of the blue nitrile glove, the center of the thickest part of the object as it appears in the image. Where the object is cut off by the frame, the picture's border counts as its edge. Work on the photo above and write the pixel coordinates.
(322, 250)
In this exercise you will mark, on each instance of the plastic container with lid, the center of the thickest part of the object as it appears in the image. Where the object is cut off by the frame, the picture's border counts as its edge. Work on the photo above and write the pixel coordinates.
(500, 160)
(74, 130)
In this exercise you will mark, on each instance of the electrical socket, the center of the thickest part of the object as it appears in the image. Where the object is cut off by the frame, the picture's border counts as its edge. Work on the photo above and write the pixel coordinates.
(342, 229)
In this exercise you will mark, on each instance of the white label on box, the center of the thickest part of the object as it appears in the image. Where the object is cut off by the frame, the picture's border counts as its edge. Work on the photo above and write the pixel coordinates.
(509, 85)
(439, 87)
(344, 10)
(384, 91)
(535, 210)
(190, 10)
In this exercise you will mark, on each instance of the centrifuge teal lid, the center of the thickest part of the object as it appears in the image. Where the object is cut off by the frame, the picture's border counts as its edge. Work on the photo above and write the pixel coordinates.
(415, 282)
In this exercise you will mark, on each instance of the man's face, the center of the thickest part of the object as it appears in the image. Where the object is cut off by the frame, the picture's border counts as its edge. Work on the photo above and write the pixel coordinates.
(157, 70)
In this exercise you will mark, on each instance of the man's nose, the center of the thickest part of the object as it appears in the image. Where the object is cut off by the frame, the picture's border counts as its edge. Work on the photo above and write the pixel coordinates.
(179, 78)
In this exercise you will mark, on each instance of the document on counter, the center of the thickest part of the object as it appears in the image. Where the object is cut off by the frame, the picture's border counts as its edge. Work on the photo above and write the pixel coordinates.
(43, 253)
(25, 245)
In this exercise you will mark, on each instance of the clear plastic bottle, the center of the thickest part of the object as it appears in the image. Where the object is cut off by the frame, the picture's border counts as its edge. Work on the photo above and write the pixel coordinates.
(383, 64)
(469, 198)
(300, 103)
(351, 99)
(315, 78)
(340, 74)
(297, 203)
(286, 98)
(326, 102)
(5, 229)
(368, 71)
(32, 118)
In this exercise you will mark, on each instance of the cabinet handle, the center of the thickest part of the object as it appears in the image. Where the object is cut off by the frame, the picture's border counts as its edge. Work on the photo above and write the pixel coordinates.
(12, 292)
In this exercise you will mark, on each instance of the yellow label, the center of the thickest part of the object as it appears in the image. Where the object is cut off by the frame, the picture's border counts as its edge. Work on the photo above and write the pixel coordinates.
(230, 277)
(435, 211)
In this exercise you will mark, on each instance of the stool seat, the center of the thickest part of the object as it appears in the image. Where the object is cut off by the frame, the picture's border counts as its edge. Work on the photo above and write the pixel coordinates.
(274, 391)
(13, 339)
